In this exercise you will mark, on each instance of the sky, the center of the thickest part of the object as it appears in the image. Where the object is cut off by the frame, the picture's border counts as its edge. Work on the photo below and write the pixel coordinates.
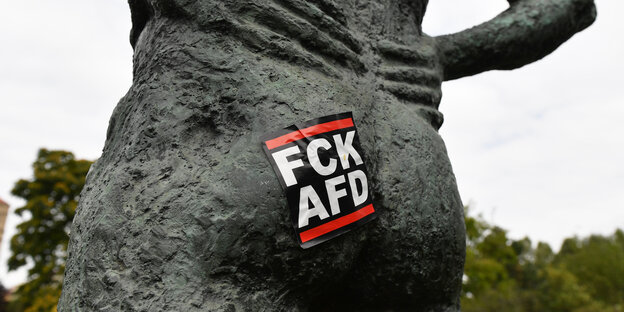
(537, 151)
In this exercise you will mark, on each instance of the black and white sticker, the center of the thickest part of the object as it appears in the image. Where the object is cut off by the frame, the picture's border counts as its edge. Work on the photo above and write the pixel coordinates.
(320, 165)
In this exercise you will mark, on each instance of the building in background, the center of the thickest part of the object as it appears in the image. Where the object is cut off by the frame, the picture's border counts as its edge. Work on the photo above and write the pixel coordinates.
(4, 210)
(6, 294)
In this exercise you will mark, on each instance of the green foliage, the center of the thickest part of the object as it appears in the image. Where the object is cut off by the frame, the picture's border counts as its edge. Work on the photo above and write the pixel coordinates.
(598, 262)
(502, 274)
(51, 200)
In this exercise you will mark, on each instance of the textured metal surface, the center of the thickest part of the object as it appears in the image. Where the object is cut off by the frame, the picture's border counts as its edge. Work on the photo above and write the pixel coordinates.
(183, 213)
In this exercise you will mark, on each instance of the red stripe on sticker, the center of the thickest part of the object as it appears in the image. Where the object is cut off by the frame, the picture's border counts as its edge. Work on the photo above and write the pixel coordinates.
(308, 132)
(336, 224)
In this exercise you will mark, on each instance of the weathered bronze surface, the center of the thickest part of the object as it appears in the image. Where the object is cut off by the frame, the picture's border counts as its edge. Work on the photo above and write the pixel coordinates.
(183, 213)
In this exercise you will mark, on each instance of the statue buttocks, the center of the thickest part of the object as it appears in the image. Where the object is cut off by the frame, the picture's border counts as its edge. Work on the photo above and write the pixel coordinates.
(226, 72)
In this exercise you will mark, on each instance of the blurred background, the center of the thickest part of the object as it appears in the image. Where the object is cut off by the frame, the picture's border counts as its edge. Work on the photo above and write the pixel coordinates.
(537, 152)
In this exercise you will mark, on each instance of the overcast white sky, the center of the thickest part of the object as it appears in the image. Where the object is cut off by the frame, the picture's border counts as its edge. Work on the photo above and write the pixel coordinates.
(537, 151)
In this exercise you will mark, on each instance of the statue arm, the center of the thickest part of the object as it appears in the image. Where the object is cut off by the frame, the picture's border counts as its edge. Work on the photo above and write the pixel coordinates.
(524, 33)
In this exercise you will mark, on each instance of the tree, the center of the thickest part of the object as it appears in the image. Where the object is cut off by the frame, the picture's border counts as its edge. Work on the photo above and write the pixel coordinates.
(41, 241)
(598, 262)
(502, 274)
(492, 262)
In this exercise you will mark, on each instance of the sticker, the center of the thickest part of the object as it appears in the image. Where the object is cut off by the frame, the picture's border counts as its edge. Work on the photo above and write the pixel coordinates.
(320, 166)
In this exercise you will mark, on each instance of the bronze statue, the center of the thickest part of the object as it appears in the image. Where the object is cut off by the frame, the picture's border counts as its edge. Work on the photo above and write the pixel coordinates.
(183, 212)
